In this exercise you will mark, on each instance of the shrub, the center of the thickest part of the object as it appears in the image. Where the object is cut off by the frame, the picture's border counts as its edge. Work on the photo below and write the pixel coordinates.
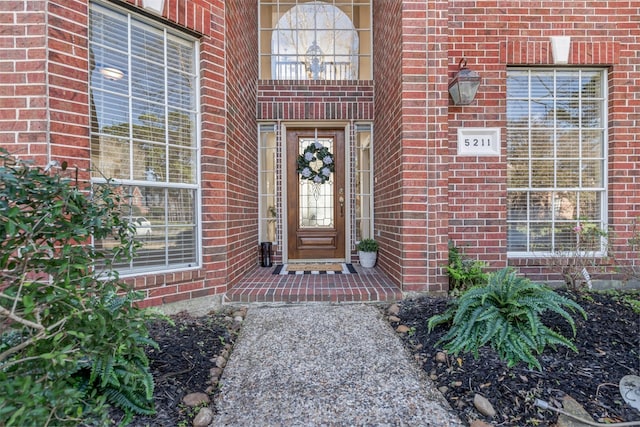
(464, 272)
(71, 338)
(506, 314)
(577, 257)
(367, 245)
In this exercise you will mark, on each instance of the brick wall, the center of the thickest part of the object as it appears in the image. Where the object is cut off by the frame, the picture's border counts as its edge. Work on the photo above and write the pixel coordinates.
(438, 160)
(496, 34)
(414, 183)
(242, 149)
(387, 137)
(68, 83)
(44, 113)
(23, 96)
(411, 141)
(425, 194)
(304, 100)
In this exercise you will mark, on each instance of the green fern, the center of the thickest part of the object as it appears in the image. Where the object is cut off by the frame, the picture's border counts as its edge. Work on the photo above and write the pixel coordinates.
(126, 382)
(506, 315)
(463, 272)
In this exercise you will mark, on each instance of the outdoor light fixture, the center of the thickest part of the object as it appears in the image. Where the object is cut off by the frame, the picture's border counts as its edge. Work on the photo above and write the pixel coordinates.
(560, 49)
(155, 6)
(111, 73)
(464, 85)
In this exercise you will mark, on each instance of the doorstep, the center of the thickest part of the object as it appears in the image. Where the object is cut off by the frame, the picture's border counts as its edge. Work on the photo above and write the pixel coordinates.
(262, 285)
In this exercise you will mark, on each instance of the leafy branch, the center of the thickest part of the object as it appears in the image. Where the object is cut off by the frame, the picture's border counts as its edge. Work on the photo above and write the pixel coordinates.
(71, 337)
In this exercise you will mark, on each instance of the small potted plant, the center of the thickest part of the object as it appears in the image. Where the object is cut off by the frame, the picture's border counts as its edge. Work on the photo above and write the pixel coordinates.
(367, 252)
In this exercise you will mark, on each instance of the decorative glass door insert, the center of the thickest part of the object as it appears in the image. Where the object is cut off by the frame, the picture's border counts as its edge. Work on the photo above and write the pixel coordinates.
(316, 193)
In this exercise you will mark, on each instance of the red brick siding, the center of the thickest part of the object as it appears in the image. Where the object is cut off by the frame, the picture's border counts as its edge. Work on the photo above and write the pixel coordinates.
(494, 35)
(387, 136)
(437, 156)
(411, 141)
(242, 148)
(425, 193)
(68, 83)
(45, 113)
(304, 100)
(23, 100)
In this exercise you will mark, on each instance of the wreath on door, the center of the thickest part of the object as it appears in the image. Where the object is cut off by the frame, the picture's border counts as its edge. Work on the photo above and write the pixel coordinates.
(316, 163)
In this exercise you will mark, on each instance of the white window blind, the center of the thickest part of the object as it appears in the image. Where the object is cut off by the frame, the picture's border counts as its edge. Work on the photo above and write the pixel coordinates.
(556, 139)
(144, 122)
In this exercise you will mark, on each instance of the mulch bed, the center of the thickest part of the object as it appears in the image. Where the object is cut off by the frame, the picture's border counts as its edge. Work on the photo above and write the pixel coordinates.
(608, 345)
(182, 364)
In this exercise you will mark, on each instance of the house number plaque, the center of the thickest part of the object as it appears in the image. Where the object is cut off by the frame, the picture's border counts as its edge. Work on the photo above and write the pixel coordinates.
(478, 141)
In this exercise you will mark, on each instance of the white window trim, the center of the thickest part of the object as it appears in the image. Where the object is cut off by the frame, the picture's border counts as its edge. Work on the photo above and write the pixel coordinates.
(605, 182)
(197, 186)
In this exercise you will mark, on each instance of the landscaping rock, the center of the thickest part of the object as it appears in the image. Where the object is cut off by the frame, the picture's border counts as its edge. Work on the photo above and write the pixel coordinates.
(441, 357)
(394, 319)
(403, 329)
(204, 417)
(570, 405)
(393, 309)
(195, 399)
(480, 423)
(221, 362)
(483, 405)
(215, 374)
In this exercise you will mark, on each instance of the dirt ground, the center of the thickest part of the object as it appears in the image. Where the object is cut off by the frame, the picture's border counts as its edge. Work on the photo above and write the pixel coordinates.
(608, 345)
(182, 364)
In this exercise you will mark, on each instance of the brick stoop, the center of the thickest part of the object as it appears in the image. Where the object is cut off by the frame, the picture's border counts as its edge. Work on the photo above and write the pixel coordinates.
(261, 285)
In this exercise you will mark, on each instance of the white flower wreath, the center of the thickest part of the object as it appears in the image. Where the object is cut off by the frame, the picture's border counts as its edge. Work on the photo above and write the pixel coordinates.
(317, 174)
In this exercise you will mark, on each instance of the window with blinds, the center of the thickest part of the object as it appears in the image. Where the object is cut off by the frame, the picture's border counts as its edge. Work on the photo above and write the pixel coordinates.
(556, 160)
(144, 132)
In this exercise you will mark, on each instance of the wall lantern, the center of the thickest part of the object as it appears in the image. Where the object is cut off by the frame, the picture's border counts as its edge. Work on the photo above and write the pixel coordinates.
(155, 6)
(464, 85)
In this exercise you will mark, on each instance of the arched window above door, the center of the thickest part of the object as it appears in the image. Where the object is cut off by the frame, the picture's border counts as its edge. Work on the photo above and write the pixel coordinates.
(315, 40)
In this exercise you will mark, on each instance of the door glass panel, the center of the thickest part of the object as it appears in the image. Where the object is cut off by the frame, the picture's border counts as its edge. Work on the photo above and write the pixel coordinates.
(316, 199)
(364, 182)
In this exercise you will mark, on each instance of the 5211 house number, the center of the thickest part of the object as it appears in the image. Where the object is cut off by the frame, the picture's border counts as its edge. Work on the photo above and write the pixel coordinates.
(479, 141)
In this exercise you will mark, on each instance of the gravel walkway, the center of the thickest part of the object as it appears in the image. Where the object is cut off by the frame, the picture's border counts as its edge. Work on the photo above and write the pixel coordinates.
(325, 365)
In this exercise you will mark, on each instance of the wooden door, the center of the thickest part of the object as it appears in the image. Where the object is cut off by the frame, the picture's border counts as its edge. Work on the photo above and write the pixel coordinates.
(316, 197)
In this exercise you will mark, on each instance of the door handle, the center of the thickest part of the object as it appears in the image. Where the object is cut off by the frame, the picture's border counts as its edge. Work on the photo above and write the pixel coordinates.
(341, 201)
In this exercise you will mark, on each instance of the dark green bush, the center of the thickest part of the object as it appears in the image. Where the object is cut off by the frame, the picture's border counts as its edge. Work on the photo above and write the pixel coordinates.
(71, 339)
(367, 245)
(506, 314)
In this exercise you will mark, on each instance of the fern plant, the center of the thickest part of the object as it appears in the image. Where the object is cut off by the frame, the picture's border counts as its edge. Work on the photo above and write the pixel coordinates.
(464, 272)
(506, 314)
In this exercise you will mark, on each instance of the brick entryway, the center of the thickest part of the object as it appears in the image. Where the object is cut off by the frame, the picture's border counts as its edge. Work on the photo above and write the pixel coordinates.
(261, 285)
